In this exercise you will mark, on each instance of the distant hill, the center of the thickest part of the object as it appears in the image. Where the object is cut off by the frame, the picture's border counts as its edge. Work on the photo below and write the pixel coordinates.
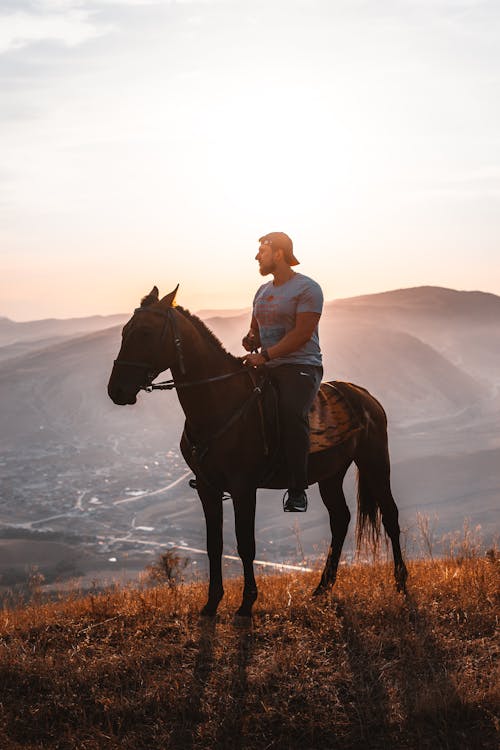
(429, 301)
(411, 377)
(215, 313)
(59, 392)
(64, 383)
(463, 326)
(35, 330)
(25, 346)
(433, 364)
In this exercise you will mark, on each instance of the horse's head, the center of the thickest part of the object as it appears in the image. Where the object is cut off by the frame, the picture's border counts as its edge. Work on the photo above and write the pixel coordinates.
(147, 348)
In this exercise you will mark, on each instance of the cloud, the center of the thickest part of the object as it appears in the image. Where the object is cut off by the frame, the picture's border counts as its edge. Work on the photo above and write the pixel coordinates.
(70, 22)
(132, 2)
(153, 3)
(70, 26)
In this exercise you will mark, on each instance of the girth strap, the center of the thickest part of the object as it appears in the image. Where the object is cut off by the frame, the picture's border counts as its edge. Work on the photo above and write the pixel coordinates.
(201, 449)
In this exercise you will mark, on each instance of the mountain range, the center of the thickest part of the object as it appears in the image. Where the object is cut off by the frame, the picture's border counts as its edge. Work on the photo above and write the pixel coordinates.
(431, 355)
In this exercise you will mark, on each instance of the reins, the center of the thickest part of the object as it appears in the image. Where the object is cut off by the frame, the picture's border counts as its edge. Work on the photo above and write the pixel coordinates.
(168, 385)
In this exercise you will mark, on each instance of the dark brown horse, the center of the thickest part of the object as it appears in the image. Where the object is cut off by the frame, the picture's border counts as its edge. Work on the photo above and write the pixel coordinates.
(224, 441)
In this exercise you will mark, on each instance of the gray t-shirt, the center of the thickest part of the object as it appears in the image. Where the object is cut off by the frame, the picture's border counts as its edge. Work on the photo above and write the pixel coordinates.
(275, 309)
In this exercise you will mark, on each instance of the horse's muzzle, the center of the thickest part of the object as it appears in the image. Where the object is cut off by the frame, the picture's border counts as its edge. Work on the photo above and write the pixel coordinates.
(120, 397)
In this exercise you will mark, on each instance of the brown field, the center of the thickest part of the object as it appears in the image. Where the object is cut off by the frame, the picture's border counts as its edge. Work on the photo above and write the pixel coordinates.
(365, 668)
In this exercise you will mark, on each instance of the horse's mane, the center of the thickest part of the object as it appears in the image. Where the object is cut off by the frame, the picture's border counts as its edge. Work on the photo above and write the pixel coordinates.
(200, 326)
(207, 334)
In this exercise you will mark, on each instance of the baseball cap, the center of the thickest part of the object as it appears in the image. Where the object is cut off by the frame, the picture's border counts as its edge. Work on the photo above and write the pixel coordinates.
(282, 240)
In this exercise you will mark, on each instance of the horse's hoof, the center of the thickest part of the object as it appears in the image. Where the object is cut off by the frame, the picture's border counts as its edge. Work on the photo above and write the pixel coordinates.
(242, 619)
(401, 577)
(321, 590)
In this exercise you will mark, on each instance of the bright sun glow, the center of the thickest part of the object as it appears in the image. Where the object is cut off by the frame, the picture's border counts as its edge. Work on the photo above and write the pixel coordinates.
(158, 141)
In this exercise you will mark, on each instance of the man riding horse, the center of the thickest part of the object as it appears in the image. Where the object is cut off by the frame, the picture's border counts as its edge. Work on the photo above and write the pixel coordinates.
(223, 434)
(286, 313)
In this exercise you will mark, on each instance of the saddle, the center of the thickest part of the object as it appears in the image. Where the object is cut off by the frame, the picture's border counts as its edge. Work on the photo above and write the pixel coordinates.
(332, 420)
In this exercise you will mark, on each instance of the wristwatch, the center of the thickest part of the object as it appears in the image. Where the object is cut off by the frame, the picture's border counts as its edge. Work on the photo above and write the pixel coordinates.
(265, 354)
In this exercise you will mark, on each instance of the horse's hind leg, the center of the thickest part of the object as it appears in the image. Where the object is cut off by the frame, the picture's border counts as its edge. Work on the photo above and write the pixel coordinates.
(390, 516)
(332, 494)
(375, 487)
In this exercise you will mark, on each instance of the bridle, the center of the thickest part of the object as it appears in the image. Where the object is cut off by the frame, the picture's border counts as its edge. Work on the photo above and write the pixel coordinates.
(198, 451)
(170, 321)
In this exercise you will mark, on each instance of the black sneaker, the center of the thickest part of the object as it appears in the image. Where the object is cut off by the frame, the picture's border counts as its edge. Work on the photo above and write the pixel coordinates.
(295, 501)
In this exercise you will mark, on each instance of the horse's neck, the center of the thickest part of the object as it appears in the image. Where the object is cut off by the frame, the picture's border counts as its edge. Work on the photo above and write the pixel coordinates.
(204, 359)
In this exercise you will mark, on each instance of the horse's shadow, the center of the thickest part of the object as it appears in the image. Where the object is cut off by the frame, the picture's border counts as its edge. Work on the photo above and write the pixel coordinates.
(399, 691)
(410, 697)
(232, 723)
(365, 699)
(184, 729)
(436, 714)
(194, 715)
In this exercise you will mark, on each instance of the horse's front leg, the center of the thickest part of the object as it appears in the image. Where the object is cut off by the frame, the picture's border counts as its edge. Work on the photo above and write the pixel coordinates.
(212, 507)
(244, 516)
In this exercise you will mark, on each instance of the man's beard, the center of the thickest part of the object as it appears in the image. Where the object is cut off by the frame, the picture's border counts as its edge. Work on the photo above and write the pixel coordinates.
(266, 270)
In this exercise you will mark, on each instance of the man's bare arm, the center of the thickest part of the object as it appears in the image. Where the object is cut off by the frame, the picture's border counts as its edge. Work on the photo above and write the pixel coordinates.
(252, 339)
(305, 323)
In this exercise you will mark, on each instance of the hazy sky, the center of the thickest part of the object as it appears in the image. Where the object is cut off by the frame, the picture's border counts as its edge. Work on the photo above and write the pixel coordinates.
(149, 141)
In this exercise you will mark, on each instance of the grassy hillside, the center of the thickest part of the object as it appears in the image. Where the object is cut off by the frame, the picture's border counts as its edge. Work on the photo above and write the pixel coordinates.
(366, 668)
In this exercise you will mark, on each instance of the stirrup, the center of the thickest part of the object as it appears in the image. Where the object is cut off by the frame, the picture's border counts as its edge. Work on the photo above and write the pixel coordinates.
(288, 506)
(194, 486)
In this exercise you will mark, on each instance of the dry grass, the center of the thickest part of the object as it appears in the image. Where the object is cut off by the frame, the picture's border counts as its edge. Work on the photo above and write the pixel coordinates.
(365, 668)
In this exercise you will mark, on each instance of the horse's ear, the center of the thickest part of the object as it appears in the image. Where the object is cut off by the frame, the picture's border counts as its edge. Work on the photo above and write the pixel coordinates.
(150, 298)
(169, 299)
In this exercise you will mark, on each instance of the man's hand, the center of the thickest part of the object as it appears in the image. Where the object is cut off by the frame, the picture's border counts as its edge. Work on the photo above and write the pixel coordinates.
(254, 360)
(249, 341)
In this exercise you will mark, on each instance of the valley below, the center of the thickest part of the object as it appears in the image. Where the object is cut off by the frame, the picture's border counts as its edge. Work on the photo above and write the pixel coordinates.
(92, 493)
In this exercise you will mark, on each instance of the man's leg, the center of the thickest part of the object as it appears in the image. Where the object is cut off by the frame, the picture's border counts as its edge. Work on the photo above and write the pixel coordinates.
(298, 385)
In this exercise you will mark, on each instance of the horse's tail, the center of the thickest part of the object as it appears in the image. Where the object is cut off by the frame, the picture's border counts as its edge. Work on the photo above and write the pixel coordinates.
(372, 459)
(368, 518)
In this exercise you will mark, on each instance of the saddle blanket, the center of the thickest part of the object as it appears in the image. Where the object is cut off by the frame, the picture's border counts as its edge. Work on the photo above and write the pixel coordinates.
(331, 419)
